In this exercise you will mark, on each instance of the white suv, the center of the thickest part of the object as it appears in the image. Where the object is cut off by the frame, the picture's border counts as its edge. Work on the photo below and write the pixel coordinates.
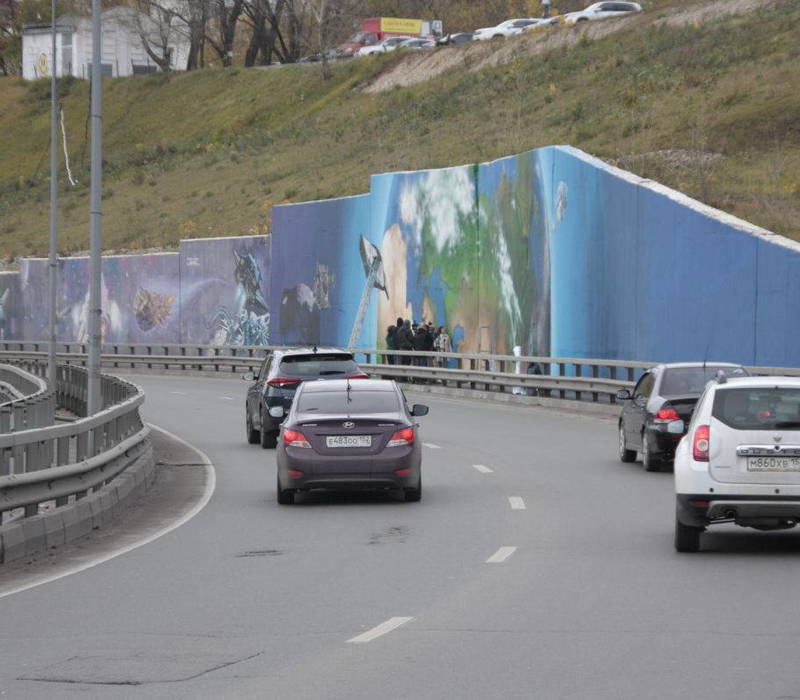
(602, 10)
(740, 459)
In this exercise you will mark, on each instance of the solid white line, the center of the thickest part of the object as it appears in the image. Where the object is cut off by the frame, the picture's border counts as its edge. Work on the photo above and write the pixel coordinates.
(383, 628)
(431, 446)
(516, 503)
(211, 484)
(483, 469)
(226, 398)
(501, 555)
(179, 393)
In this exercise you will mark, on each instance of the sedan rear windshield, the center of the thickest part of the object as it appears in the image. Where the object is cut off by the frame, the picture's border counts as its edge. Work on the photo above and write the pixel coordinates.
(360, 402)
(319, 365)
(771, 408)
(685, 381)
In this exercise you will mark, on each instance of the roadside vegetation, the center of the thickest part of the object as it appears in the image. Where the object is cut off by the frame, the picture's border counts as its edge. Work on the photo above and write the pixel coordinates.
(711, 109)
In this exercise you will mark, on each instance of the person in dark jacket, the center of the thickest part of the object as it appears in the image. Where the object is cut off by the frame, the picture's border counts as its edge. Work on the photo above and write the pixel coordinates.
(421, 344)
(404, 340)
(390, 343)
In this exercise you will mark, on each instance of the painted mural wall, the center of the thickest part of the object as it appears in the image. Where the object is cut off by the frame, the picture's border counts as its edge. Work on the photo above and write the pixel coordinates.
(551, 251)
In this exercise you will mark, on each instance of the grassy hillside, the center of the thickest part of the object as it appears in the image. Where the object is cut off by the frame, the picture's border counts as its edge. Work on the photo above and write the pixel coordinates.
(711, 108)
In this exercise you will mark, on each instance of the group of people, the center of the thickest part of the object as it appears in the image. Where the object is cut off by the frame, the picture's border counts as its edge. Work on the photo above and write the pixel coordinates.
(422, 337)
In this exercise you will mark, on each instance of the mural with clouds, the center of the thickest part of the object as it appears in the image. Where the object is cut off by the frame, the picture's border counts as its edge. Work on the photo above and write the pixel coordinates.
(552, 251)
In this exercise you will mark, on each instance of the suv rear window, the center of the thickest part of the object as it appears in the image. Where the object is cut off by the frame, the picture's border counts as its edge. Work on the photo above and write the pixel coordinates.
(685, 381)
(769, 408)
(364, 402)
(318, 365)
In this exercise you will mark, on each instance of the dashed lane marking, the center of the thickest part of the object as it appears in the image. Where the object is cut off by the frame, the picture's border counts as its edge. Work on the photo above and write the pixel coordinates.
(431, 446)
(483, 469)
(516, 503)
(178, 393)
(501, 555)
(384, 628)
(227, 398)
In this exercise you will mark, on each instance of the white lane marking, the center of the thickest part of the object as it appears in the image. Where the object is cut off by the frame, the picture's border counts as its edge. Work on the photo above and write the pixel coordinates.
(431, 446)
(483, 469)
(501, 555)
(383, 628)
(226, 398)
(516, 503)
(211, 484)
(179, 393)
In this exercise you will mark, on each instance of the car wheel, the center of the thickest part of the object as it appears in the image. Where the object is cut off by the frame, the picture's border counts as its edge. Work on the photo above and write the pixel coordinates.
(285, 497)
(252, 434)
(625, 455)
(648, 460)
(687, 538)
(582, 19)
(499, 36)
(414, 494)
(269, 438)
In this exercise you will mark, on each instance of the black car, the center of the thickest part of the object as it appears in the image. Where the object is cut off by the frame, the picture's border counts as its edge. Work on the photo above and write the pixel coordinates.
(281, 373)
(455, 39)
(655, 416)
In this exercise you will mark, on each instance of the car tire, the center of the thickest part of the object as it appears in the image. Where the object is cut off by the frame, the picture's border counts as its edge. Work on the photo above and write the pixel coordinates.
(269, 438)
(649, 462)
(285, 497)
(581, 19)
(414, 494)
(253, 435)
(687, 538)
(625, 455)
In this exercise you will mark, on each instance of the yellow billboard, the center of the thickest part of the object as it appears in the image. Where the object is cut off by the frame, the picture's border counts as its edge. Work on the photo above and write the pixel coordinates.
(393, 25)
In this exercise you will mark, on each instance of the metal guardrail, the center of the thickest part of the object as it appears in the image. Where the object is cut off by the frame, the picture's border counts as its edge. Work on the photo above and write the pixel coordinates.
(33, 402)
(64, 461)
(584, 379)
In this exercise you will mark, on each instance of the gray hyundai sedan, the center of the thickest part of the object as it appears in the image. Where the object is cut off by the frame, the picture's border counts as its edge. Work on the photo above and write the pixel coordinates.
(340, 434)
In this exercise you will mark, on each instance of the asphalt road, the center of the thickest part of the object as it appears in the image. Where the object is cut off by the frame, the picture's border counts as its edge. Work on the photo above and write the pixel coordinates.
(546, 572)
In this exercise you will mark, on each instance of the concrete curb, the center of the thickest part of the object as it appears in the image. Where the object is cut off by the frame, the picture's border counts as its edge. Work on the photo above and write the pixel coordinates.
(23, 538)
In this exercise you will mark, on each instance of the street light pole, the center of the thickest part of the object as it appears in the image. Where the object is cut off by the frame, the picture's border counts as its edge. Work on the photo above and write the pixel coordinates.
(94, 403)
(52, 262)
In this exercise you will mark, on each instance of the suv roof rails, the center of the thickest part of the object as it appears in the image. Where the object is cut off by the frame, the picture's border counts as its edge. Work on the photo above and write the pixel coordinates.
(722, 378)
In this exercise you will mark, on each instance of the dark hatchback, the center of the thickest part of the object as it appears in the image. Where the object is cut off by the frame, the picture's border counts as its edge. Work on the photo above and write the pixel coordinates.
(349, 435)
(656, 415)
(280, 375)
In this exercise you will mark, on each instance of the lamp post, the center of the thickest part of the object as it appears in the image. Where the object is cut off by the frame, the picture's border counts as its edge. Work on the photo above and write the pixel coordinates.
(52, 260)
(94, 402)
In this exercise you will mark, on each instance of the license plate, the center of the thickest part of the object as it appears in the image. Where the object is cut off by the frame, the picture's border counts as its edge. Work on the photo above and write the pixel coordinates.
(773, 464)
(349, 441)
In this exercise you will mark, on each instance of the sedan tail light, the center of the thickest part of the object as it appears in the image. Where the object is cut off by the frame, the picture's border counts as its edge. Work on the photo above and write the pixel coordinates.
(701, 443)
(666, 415)
(294, 438)
(401, 437)
(360, 375)
(283, 381)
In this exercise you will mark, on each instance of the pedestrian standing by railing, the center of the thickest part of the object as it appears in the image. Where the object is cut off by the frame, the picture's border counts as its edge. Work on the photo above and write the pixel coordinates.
(442, 343)
(390, 343)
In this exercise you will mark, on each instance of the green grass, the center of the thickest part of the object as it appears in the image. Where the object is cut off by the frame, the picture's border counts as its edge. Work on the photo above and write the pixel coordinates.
(712, 110)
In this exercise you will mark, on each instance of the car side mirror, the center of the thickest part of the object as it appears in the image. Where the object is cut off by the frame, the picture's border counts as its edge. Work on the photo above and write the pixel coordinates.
(249, 377)
(418, 410)
(624, 395)
(276, 411)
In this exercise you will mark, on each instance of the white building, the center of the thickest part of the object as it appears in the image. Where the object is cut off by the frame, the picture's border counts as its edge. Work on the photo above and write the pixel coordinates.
(123, 50)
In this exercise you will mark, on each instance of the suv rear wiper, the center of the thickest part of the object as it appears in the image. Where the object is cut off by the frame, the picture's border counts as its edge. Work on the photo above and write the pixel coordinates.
(331, 371)
(788, 424)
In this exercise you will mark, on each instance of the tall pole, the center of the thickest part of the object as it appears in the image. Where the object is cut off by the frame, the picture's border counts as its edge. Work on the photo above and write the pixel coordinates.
(52, 263)
(95, 300)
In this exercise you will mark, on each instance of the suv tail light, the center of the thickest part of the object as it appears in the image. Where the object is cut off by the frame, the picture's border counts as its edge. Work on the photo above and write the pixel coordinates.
(282, 381)
(294, 438)
(401, 437)
(666, 415)
(701, 443)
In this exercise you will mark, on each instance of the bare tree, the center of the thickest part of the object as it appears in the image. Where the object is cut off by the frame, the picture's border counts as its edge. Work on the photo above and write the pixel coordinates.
(9, 36)
(158, 25)
(225, 17)
(330, 19)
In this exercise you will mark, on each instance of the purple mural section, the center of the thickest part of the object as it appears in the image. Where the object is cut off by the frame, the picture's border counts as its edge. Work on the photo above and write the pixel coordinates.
(10, 309)
(224, 291)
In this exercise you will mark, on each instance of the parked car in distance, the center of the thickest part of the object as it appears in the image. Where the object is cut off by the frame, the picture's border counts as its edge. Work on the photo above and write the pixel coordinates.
(349, 435)
(281, 373)
(456, 39)
(740, 461)
(655, 415)
(510, 27)
(602, 10)
(384, 46)
(418, 44)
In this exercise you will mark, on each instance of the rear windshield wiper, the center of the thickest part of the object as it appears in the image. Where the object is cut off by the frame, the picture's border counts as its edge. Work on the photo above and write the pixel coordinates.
(788, 424)
(331, 371)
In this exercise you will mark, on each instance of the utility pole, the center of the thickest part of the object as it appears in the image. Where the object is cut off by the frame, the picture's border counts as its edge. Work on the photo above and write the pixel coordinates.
(52, 262)
(94, 403)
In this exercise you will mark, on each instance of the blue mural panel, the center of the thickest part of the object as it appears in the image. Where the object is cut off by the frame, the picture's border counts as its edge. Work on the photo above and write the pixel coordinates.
(224, 291)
